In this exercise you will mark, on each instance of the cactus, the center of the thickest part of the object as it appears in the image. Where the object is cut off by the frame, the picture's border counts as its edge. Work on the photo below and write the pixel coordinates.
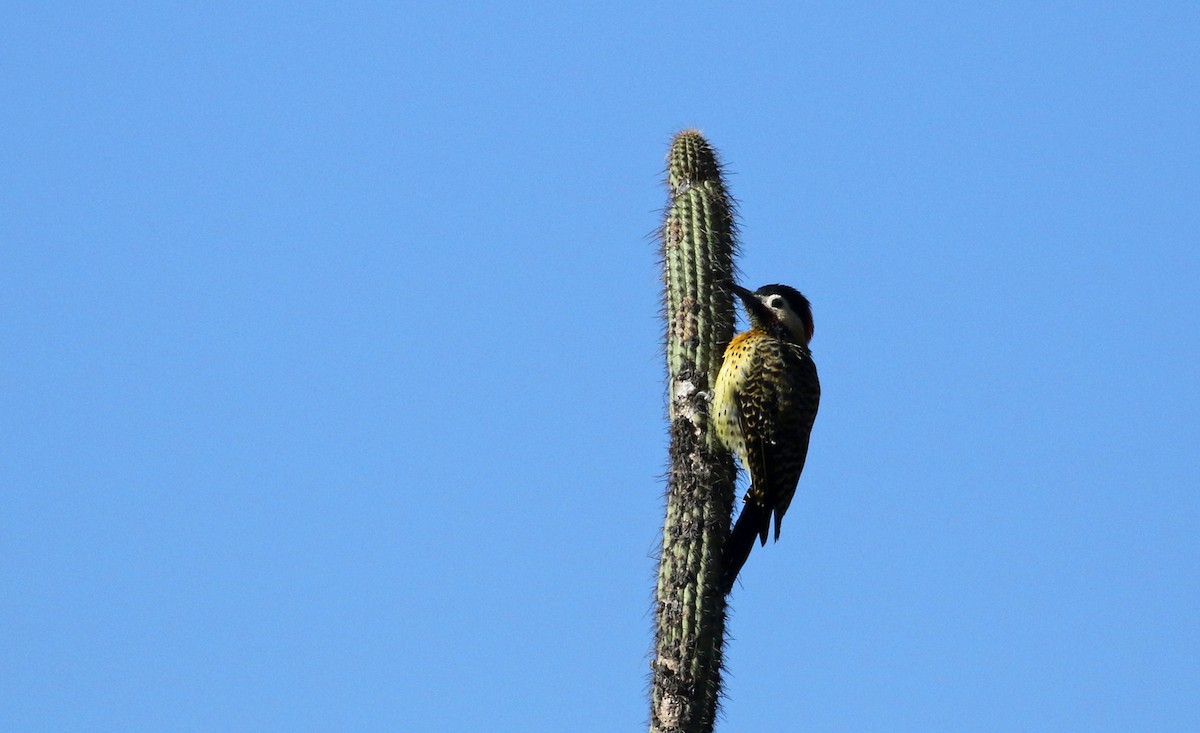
(697, 252)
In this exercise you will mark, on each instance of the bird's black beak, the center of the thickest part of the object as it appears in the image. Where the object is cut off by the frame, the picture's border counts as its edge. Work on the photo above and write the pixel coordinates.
(741, 292)
(755, 308)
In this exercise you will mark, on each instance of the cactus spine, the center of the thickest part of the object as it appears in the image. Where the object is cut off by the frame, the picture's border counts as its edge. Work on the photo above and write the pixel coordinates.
(698, 241)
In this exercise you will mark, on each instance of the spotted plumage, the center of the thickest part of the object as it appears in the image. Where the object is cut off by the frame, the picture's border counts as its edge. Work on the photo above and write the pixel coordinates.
(764, 405)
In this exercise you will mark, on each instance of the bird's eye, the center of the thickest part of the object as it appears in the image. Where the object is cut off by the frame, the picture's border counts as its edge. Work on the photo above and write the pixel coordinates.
(777, 302)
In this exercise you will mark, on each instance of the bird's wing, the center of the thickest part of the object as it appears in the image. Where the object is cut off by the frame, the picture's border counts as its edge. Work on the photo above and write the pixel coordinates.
(797, 400)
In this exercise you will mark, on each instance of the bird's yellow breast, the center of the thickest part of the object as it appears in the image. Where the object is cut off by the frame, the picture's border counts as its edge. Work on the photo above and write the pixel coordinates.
(735, 370)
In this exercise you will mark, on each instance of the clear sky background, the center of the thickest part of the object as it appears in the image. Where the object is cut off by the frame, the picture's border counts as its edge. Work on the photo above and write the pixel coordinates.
(332, 393)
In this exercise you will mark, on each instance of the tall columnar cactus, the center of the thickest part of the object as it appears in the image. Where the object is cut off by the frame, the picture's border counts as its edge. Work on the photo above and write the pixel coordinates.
(698, 249)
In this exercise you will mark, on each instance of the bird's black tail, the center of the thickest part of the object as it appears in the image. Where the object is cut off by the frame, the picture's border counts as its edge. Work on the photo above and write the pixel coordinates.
(752, 524)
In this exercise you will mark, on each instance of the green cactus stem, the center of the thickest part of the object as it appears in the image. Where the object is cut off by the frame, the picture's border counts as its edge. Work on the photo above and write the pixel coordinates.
(698, 246)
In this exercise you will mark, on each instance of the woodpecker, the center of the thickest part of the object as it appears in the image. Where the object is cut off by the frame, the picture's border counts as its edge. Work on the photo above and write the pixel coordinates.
(764, 404)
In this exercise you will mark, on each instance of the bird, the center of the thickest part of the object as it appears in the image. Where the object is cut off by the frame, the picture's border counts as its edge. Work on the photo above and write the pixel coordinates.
(764, 403)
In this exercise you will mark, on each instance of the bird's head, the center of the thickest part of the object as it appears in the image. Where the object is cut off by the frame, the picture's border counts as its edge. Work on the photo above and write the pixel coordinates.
(779, 309)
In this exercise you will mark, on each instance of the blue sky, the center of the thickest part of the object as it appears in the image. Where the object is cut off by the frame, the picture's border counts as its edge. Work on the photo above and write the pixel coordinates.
(332, 395)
